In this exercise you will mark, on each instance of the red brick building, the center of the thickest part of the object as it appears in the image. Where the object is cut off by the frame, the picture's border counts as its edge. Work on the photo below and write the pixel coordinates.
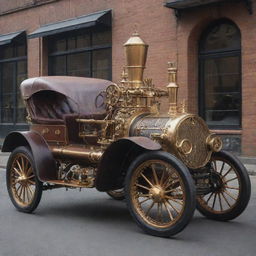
(212, 42)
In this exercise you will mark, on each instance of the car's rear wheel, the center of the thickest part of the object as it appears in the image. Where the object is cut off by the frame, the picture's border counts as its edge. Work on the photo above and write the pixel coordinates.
(117, 194)
(24, 189)
(231, 188)
(160, 193)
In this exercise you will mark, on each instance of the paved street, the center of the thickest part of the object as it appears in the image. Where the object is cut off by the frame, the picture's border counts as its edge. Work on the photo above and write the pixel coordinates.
(90, 223)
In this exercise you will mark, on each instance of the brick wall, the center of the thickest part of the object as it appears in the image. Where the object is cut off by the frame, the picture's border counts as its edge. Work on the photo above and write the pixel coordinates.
(169, 38)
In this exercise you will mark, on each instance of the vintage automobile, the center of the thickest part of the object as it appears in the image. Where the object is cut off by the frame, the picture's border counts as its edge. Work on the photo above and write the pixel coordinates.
(87, 133)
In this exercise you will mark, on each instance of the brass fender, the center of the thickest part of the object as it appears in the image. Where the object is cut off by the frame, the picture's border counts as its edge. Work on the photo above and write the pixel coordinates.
(117, 158)
(44, 161)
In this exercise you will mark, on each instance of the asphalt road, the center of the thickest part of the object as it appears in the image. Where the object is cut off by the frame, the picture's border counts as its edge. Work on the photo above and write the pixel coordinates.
(90, 223)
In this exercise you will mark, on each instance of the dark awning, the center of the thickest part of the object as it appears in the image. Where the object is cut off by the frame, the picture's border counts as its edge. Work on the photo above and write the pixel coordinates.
(185, 4)
(102, 17)
(8, 38)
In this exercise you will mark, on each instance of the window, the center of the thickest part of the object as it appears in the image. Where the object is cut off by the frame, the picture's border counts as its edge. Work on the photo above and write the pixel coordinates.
(13, 70)
(83, 53)
(220, 75)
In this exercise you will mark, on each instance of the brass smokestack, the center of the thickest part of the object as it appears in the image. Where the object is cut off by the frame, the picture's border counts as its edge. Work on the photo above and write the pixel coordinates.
(136, 56)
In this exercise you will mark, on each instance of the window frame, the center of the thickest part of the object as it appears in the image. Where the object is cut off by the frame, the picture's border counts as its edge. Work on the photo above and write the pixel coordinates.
(92, 48)
(214, 54)
(6, 127)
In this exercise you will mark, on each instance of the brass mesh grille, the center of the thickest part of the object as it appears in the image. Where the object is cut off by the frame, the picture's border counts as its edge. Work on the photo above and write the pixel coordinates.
(194, 130)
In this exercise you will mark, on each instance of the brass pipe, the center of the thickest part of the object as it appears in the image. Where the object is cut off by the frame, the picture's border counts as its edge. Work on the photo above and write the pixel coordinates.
(82, 153)
(172, 89)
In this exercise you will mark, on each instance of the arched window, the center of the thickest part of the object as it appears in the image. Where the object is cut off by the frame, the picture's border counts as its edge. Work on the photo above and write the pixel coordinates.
(220, 75)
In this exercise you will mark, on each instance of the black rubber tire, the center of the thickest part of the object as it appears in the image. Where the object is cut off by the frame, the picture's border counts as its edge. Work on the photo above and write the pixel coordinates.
(120, 195)
(38, 184)
(245, 192)
(190, 193)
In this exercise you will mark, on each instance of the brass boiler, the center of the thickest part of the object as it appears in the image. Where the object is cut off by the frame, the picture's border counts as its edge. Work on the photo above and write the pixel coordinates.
(185, 135)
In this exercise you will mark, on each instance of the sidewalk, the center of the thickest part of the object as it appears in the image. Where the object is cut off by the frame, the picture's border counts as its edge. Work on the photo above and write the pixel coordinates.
(249, 162)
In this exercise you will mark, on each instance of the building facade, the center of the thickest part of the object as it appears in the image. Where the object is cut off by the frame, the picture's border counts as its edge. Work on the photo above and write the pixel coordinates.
(212, 42)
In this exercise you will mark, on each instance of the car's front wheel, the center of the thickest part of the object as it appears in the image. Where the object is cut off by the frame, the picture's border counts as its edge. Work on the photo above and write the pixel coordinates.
(24, 188)
(160, 193)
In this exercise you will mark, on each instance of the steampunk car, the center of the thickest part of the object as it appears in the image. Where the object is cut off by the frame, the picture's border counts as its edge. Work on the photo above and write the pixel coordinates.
(87, 133)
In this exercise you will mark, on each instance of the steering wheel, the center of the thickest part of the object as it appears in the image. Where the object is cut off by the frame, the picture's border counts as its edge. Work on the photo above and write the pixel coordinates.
(113, 94)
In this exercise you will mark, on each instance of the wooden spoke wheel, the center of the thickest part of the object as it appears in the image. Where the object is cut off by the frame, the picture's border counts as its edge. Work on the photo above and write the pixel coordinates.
(231, 188)
(160, 193)
(117, 194)
(24, 189)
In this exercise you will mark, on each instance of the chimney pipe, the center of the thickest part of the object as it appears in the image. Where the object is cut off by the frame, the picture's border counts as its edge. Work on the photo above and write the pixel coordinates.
(136, 56)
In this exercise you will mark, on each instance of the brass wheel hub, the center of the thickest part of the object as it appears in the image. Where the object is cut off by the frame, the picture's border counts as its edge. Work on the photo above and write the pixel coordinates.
(157, 194)
(22, 180)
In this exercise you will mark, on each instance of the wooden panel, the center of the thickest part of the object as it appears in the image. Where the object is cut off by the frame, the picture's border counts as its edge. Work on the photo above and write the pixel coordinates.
(52, 133)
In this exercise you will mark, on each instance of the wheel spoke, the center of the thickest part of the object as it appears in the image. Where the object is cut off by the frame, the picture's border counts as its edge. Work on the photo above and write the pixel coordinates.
(231, 168)
(232, 187)
(31, 182)
(18, 188)
(150, 207)
(158, 212)
(231, 180)
(143, 201)
(31, 191)
(23, 194)
(16, 170)
(226, 192)
(175, 184)
(214, 200)
(26, 193)
(141, 186)
(174, 208)
(147, 180)
(20, 168)
(155, 175)
(226, 200)
(170, 190)
(222, 167)
(162, 178)
(209, 197)
(177, 201)
(22, 164)
(20, 192)
(220, 202)
(29, 171)
(169, 212)
(26, 166)
(143, 195)
(31, 176)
